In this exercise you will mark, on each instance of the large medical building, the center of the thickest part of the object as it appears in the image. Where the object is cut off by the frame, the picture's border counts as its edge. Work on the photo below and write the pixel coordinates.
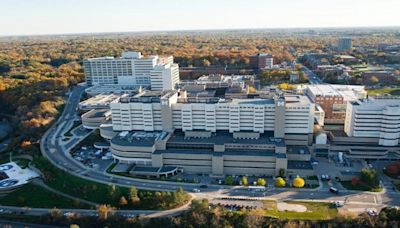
(377, 119)
(153, 72)
(212, 135)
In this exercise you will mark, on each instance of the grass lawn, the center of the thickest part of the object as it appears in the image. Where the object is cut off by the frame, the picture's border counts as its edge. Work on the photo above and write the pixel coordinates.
(31, 195)
(315, 211)
(90, 190)
(22, 162)
(391, 91)
(359, 187)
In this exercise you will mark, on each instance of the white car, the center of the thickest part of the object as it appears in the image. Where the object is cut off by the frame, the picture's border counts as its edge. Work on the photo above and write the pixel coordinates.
(196, 190)
(339, 204)
(371, 211)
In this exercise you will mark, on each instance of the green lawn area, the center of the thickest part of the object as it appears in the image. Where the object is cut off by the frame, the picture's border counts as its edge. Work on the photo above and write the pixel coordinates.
(359, 187)
(31, 195)
(23, 163)
(391, 91)
(315, 211)
(97, 192)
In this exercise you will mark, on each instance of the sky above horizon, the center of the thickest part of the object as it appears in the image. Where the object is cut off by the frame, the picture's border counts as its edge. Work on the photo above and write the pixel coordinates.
(32, 17)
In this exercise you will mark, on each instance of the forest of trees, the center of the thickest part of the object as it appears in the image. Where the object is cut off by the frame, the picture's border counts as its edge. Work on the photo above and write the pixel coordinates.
(201, 216)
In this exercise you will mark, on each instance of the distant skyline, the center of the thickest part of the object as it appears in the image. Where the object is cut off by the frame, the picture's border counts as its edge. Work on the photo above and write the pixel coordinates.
(37, 17)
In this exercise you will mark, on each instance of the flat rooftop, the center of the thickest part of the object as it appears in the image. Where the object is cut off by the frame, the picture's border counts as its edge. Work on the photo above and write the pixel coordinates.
(97, 113)
(224, 137)
(111, 89)
(348, 92)
(13, 175)
(101, 99)
(144, 97)
(138, 138)
(268, 153)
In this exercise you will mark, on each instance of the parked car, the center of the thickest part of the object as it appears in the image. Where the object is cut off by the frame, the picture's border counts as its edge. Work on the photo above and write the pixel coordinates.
(339, 204)
(334, 190)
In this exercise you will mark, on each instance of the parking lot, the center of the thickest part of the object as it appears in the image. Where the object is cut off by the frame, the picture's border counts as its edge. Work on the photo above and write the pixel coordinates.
(236, 204)
(92, 157)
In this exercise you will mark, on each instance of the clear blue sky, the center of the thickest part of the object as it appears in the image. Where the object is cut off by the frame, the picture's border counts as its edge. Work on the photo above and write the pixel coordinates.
(24, 17)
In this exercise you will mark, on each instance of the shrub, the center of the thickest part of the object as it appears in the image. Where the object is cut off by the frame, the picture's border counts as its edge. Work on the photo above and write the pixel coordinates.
(280, 182)
(392, 169)
(229, 180)
(298, 182)
(261, 182)
(355, 181)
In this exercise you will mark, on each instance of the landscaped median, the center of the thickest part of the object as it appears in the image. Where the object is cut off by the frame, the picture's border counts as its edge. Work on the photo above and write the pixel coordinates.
(120, 197)
(367, 181)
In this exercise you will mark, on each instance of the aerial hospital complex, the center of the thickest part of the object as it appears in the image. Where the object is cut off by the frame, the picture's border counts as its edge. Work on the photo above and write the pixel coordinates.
(216, 126)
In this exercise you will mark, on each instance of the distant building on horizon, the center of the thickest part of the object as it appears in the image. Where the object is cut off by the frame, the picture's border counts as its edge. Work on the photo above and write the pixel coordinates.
(261, 61)
(345, 44)
(153, 72)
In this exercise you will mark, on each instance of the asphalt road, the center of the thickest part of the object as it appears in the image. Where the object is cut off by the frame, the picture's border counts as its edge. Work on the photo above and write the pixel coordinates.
(312, 77)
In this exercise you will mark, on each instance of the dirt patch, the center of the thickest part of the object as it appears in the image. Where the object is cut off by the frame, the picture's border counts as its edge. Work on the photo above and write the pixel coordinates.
(291, 207)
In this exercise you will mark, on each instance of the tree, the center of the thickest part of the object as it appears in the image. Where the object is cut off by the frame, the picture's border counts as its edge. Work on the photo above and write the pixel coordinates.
(206, 63)
(286, 86)
(114, 191)
(245, 182)
(56, 213)
(133, 195)
(228, 180)
(122, 201)
(282, 172)
(298, 182)
(251, 89)
(105, 210)
(374, 80)
(280, 182)
(254, 218)
(392, 169)
(261, 182)
(369, 177)
(355, 181)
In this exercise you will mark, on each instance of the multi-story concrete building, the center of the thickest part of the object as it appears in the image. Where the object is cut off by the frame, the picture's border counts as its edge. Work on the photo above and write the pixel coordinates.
(374, 118)
(212, 135)
(333, 99)
(345, 44)
(164, 77)
(149, 111)
(132, 69)
(371, 131)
